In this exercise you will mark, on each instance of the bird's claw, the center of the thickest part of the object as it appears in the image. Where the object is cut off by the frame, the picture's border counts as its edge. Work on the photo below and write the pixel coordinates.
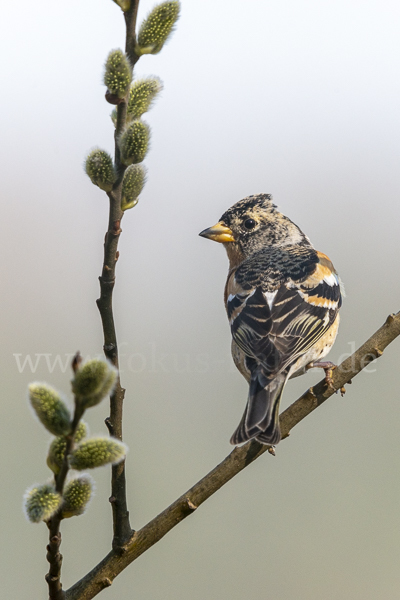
(328, 367)
(328, 378)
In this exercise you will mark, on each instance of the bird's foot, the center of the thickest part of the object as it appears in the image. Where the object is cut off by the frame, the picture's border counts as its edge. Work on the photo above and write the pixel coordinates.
(328, 367)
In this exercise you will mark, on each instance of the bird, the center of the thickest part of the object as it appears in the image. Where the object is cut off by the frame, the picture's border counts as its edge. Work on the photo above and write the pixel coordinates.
(282, 298)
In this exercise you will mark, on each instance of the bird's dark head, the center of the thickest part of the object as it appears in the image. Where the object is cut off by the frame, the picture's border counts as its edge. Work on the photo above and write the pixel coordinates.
(252, 224)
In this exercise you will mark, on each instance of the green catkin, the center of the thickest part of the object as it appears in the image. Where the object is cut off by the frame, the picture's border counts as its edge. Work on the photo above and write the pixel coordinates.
(157, 27)
(96, 452)
(41, 502)
(142, 95)
(118, 73)
(134, 142)
(93, 381)
(100, 169)
(132, 185)
(49, 408)
(55, 456)
(76, 496)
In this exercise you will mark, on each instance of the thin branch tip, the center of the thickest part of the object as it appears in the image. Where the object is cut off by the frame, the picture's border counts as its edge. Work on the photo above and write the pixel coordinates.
(76, 361)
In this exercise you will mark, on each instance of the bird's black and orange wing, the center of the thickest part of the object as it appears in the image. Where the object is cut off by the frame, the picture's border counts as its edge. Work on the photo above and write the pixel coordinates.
(274, 323)
(275, 326)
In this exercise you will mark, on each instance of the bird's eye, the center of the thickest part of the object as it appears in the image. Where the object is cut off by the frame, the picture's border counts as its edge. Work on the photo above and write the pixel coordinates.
(249, 224)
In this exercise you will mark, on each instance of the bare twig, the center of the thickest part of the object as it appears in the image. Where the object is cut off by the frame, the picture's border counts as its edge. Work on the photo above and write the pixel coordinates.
(121, 524)
(105, 572)
(53, 577)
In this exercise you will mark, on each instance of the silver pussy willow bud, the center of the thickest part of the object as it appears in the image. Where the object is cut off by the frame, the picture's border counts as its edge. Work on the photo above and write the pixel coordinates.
(157, 27)
(41, 502)
(142, 95)
(76, 496)
(96, 452)
(123, 4)
(55, 456)
(49, 408)
(134, 143)
(100, 169)
(118, 73)
(93, 381)
(132, 186)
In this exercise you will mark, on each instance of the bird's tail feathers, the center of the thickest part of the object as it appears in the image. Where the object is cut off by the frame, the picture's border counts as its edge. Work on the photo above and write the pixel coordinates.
(261, 416)
(272, 434)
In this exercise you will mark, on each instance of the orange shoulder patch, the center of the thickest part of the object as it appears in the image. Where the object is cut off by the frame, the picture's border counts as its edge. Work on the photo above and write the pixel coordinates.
(325, 261)
(323, 270)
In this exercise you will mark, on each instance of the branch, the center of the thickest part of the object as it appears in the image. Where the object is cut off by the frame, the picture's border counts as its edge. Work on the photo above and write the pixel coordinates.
(121, 525)
(53, 555)
(105, 572)
(130, 21)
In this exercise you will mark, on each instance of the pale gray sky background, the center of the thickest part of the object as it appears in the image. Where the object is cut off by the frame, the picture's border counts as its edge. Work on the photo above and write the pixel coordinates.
(295, 98)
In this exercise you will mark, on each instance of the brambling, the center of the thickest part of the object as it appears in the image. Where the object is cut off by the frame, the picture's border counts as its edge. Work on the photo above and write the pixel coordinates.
(282, 298)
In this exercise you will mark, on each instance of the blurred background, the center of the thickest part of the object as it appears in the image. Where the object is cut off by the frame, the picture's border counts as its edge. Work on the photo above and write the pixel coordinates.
(295, 98)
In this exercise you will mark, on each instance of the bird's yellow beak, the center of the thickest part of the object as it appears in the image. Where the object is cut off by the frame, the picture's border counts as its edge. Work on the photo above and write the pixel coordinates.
(219, 233)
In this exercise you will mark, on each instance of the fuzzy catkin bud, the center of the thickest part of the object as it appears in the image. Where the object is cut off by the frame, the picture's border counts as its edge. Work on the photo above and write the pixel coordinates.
(123, 4)
(100, 169)
(94, 380)
(118, 73)
(76, 496)
(41, 502)
(49, 408)
(142, 95)
(132, 185)
(157, 27)
(96, 452)
(55, 456)
(134, 143)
